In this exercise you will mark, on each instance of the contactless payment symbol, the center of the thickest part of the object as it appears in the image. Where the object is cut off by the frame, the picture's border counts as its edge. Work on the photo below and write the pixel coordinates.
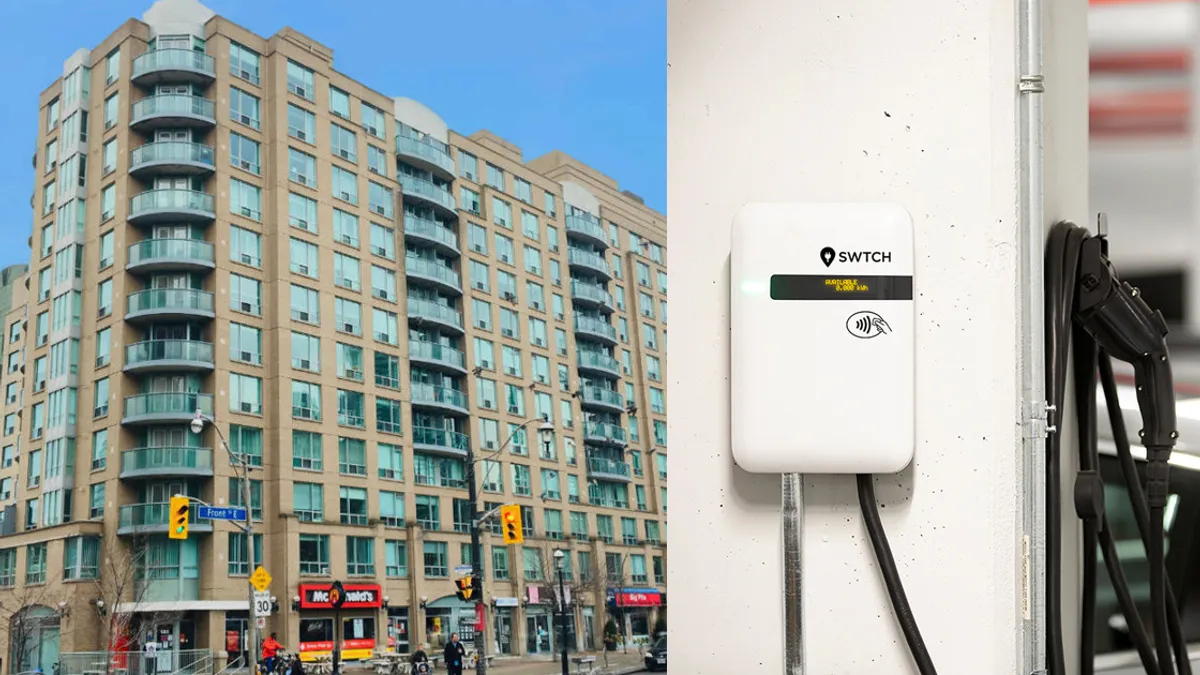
(867, 325)
(827, 255)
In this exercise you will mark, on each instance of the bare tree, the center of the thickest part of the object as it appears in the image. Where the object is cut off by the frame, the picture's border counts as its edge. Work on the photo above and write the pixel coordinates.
(21, 617)
(121, 587)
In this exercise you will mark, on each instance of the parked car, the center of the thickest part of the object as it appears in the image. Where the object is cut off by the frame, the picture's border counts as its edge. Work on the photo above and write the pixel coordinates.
(656, 656)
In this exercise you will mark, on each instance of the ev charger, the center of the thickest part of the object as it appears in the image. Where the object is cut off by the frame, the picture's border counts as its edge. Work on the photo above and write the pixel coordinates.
(822, 327)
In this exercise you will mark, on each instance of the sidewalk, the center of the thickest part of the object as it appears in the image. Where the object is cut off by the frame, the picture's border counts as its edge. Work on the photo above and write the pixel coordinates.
(618, 664)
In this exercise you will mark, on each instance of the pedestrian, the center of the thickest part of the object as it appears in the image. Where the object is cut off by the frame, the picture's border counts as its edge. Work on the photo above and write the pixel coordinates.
(270, 648)
(296, 668)
(455, 652)
(420, 660)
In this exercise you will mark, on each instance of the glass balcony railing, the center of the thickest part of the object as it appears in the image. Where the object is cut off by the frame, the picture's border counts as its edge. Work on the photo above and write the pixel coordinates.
(588, 227)
(598, 361)
(587, 324)
(608, 467)
(170, 199)
(437, 437)
(183, 460)
(430, 269)
(427, 190)
(174, 105)
(167, 250)
(152, 515)
(173, 59)
(602, 396)
(432, 351)
(412, 147)
(423, 392)
(604, 431)
(589, 260)
(590, 292)
(171, 152)
(185, 300)
(436, 311)
(152, 351)
(168, 404)
(430, 229)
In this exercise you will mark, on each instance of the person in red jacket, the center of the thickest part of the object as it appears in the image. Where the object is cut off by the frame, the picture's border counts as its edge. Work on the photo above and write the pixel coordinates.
(270, 648)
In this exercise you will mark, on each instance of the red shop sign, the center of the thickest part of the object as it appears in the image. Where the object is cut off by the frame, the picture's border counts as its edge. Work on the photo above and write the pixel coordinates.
(638, 599)
(357, 596)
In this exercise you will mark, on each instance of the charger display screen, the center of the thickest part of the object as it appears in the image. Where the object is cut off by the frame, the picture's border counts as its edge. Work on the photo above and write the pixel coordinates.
(840, 287)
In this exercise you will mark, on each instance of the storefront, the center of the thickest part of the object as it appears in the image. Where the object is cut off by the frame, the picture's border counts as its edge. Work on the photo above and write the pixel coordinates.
(544, 628)
(398, 630)
(502, 624)
(319, 621)
(448, 615)
(632, 607)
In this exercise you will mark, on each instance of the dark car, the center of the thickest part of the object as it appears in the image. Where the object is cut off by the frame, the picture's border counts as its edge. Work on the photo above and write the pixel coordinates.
(656, 657)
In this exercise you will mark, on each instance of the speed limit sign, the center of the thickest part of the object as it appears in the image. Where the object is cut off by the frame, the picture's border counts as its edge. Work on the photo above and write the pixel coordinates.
(262, 603)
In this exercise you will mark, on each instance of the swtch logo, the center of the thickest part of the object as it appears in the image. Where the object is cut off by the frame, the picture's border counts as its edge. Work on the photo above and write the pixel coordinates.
(867, 325)
(829, 254)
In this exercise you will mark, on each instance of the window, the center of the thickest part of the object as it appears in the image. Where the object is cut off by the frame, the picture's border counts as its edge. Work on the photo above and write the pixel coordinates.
(383, 283)
(304, 258)
(314, 554)
(345, 227)
(510, 323)
(529, 225)
(550, 490)
(387, 370)
(481, 313)
(469, 200)
(522, 190)
(387, 415)
(306, 400)
(237, 496)
(108, 156)
(345, 185)
(245, 343)
(302, 125)
(243, 62)
(352, 456)
(653, 368)
(245, 246)
(520, 481)
(537, 331)
(112, 110)
(658, 403)
(380, 200)
(501, 213)
(480, 277)
(485, 354)
(555, 273)
(244, 153)
(108, 202)
(512, 361)
(477, 238)
(245, 394)
(51, 161)
(396, 558)
(245, 294)
(347, 316)
(306, 450)
(428, 508)
(246, 443)
(468, 165)
(493, 476)
(349, 362)
(308, 502)
(299, 80)
(302, 212)
(48, 193)
(346, 272)
(35, 555)
(350, 411)
(532, 558)
(377, 161)
(360, 556)
(302, 168)
(100, 398)
(495, 177)
(373, 121)
(435, 562)
(386, 326)
(339, 102)
(352, 505)
(244, 108)
(343, 142)
(549, 204)
(391, 461)
(533, 261)
(237, 553)
(104, 298)
(95, 501)
(245, 199)
(383, 241)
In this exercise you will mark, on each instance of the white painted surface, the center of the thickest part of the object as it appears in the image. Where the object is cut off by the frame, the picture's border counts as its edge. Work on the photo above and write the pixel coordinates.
(177, 17)
(580, 197)
(420, 117)
(1134, 26)
(828, 101)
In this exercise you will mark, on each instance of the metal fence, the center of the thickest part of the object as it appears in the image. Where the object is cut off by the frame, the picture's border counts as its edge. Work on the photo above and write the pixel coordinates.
(165, 662)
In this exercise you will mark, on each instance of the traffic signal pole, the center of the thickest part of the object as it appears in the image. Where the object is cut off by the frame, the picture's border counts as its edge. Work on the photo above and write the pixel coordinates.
(477, 564)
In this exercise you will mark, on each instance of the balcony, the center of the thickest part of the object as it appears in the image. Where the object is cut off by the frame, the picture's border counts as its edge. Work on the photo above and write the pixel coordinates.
(175, 66)
(422, 271)
(173, 206)
(437, 355)
(166, 462)
(421, 311)
(598, 363)
(423, 191)
(602, 399)
(426, 231)
(589, 262)
(171, 158)
(173, 110)
(609, 469)
(425, 155)
(171, 255)
(587, 228)
(166, 407)
(154, 518)
(595, 329)
(154, 356)
(438, 441)
(444, 398)
(603, 432)
(169, 304)
(591, 295)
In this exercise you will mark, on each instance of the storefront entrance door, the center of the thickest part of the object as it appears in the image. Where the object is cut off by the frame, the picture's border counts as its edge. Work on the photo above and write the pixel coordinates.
(537, 632)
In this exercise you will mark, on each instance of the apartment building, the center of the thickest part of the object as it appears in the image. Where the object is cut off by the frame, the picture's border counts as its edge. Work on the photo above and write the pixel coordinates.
(356, 297)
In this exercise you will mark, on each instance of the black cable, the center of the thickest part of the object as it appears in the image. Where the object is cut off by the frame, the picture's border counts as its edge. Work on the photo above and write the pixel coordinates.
(1089, 492)
(891, 576)
(1133, 619)
(1158, 590)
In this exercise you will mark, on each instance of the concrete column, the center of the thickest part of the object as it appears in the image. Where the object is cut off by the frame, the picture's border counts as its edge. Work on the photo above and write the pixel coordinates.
(874, 100)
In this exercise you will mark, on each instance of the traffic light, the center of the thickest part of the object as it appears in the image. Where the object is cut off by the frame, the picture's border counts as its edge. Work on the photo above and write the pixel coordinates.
(466, 588)
(179, 517)
(510, 524)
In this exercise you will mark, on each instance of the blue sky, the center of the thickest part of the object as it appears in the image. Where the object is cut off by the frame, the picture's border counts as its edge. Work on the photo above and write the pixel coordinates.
(584, 76)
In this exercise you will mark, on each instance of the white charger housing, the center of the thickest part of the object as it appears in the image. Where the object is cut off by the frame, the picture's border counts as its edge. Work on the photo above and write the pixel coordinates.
(822, 338)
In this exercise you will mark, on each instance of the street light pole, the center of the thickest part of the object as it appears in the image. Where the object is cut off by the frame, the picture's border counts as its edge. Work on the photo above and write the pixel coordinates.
(239, 462)
(559, 564)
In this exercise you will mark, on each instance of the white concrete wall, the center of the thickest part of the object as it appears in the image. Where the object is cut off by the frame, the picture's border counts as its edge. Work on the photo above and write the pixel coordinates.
(825, 100)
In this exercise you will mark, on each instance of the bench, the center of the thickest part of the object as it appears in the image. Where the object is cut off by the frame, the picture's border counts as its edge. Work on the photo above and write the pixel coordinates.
(581, 661)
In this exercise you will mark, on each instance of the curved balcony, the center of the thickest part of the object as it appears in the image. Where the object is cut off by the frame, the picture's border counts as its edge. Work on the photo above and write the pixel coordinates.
(589, 262)
(168, 355)
(438, 356)
(587, 228)
(166, 407)
(598, 363)
(601, 399)
(172, 205)
(422, 311)
(595, 329)
(426, 231)
(425, 155)
(603, 432)
(154, 518)
(609, 469)
(591, 295)
(166, 462)
(169, 304)
(432, 273)
(173, 110)
(438, 441)
(160, 255)
(423, 191)
(171, 157)
(174, 66)
(442, 398)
